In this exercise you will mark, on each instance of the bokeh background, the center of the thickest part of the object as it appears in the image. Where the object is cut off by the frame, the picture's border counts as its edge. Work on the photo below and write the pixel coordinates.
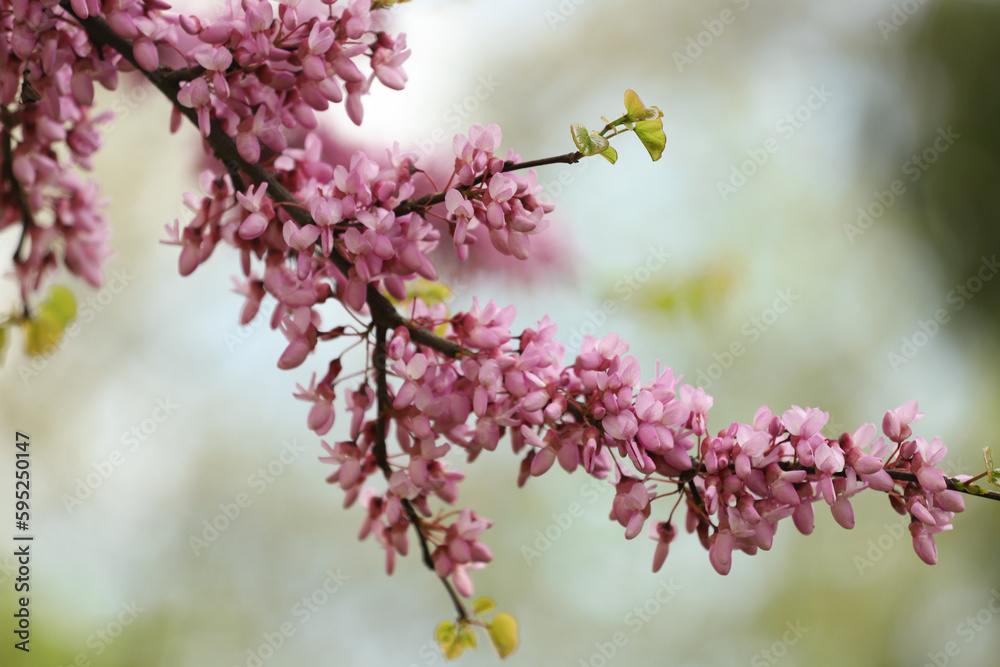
(838, 101)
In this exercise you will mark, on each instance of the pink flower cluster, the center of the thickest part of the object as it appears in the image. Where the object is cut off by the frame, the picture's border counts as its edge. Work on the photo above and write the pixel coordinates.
(457, 548)
(354, 208)
(264, 73)
(598, 415)
(358, 210)
(49, 132)
(256, 71)
(505, 203)
(753, 475)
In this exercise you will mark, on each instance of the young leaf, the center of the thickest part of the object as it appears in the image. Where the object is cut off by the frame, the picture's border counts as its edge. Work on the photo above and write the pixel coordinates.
(652, 113)
(431, 291)
(483, 605)
(61, 303)
(992, 474)
(503, 633)
(453, 650)
(42, 333)
(588, 143)
(581, 137)
(634, 107)
(650, 133)
(445, 632)
(449, 638)
(467, 638)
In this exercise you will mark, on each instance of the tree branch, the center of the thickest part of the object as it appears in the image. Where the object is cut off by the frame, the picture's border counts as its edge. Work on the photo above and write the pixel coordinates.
(383, 312)
(953, 484)
(224, 148)
(438, 197)
(16, 192)
(904, 476)
(567, 158)
(381, 457)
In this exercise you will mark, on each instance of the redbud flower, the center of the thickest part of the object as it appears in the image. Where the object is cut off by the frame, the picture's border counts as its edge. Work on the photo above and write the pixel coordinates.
(631, 506)
(663, 532)
(896, 423)
(923, 543)
(253, 201)
(195, 94)
(720, 553)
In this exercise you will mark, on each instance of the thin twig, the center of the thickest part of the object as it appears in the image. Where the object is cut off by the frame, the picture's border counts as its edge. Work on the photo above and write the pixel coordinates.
(902, 476)
(16, 192)
(382, 459)
(952, 483)
(436, 198)
(568, 158)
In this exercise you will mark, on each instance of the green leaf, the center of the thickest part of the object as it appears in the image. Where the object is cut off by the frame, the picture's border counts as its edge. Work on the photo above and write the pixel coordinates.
(588, 143)
(430, 291)
(483, 605)
(503, 634)
(445, 632)
(447, 637)
(467, 638)
(3, 341)
(454, 639)
(581, 137)
(599, 142)
(992, 474)
(42, 333)
(634, 107)
(61, 303)
(453, 650)
(610, 154)
(650, 133)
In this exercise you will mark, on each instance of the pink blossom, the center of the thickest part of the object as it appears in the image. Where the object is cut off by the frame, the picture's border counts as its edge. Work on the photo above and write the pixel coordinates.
(896, 423)
(720, 554)
(322, 414)
(485, 138)
(461, 210)
(663, 532)
(388, 59)
(804, 423)
(923, 542)
(263, 127)
(631, 506)
(195, 94)
(254, 202)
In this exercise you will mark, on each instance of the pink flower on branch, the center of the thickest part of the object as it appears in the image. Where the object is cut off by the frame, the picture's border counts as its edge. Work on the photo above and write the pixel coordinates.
(505, 203)
(259, 209)
(196, 95)
(749, 476)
